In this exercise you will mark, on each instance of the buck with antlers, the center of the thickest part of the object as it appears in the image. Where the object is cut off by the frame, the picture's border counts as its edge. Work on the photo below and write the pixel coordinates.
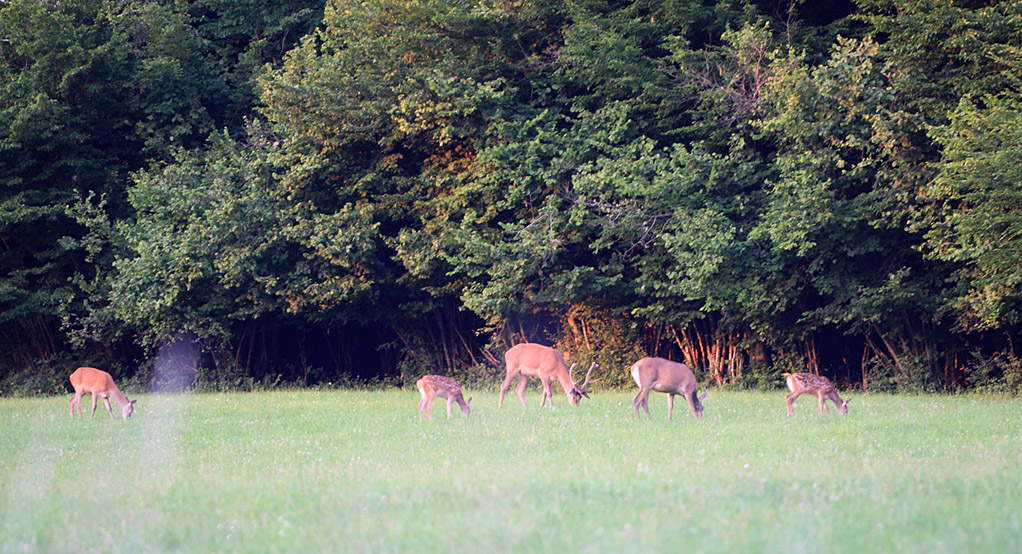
(432, 386)
(100, 384)
(658, 374)
(546, 364)
(801, 383)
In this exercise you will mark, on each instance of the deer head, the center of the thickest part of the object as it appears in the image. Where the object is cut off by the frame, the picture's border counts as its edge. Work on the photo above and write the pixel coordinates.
(578, 391)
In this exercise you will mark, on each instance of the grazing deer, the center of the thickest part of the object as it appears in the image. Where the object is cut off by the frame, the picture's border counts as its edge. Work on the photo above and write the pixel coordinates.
(431, 386)
(801, 383)
(658, 374)
(546, 364)
(99, 384)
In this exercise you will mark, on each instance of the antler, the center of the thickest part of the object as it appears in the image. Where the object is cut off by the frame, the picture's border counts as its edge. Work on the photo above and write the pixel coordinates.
(582, 389)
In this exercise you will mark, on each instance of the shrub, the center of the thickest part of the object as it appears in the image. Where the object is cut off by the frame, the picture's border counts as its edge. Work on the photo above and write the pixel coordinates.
(997, 374)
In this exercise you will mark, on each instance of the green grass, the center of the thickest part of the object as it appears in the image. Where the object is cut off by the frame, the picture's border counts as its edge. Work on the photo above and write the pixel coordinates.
(357, 472)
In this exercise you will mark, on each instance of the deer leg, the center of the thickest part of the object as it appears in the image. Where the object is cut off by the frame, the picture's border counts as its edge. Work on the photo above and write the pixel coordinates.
(550, 394)
(429, 407)
(504, 386)
(823, 405)
(450, 403)
(789, 400)
(422, 404)
(94, 399)
(642, 399)
(547, 393)
(75, 401)
(670, 405)
(522, 381)
(109, 411)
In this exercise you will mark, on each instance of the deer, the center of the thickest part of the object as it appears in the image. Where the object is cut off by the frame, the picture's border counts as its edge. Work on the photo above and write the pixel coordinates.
(546, 364)
(801, 383)
(658, 374)
(99, 384)
(432, 386)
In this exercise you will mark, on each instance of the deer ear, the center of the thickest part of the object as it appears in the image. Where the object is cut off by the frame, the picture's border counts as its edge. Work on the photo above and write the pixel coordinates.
(469, 400)
(703, 397)
(133, 402)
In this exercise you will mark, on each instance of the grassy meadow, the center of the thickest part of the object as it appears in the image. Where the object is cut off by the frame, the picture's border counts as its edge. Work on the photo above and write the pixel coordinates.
(356, 471)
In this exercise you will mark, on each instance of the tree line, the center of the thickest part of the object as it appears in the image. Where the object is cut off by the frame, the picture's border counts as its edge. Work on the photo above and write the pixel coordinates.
(322, 192)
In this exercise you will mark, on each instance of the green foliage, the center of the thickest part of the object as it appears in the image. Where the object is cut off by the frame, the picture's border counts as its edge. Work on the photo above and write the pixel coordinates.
(58, 131)
(43, 378)
(245, 38)
(977, 195)
(939, 52)
(216, 241)
(90, 92)
(612, 340)
(997, 374)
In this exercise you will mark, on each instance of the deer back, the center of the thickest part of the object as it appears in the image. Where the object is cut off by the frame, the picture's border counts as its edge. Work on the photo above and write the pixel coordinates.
(92, 380)
(536, 360)
(808, 382)
(438, 385)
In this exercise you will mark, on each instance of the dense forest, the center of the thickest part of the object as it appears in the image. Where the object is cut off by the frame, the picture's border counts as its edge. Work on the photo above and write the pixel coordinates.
(314, 193)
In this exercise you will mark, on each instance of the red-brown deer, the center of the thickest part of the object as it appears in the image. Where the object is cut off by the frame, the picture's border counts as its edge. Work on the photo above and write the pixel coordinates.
(99, 384)
(431, 386)
(546, 364)
(658, 374)
(801, 383)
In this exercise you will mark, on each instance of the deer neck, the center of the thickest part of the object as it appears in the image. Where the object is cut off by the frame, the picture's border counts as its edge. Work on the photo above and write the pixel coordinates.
(565, 380)
(116, 394)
